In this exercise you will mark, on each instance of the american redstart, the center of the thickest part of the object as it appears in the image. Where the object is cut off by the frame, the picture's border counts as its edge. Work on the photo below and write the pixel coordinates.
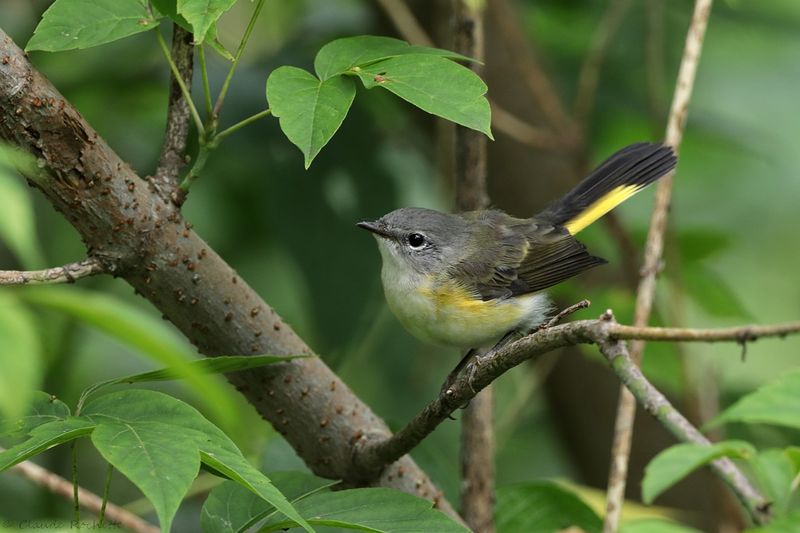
(471, 279)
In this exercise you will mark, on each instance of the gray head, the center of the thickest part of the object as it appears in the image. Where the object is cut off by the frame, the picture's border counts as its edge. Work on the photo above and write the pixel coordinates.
(421, 238)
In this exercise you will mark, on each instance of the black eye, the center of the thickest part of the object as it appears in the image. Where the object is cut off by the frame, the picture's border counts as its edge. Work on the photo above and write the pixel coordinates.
(416, 240)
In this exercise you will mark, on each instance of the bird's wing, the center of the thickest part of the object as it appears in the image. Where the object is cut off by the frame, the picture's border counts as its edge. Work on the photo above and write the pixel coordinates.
(519, 256)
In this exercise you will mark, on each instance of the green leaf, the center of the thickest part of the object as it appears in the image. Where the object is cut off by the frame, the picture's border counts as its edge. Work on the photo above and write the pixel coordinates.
(226, 459)
(160, 461)
(655, 525)
(20, 358)
(776, 403)
(231, 507)
(44, 437)
(17, 223)
(310, 110)
(775, 471)
(373, 509)
(202, 14)
(158, 442)
(676, 462)
(212, 365)
(70, 24)
(542, 507)
(436, 85)
(140, 330)
(43, 408)
(169, 8)
(342, 55)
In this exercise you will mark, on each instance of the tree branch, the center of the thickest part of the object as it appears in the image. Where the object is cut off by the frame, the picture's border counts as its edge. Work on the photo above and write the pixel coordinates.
(608, 335)
(469, 176)
(88, 500)
(62, 274)
(142, 238)
(172, 159)
(654, 248)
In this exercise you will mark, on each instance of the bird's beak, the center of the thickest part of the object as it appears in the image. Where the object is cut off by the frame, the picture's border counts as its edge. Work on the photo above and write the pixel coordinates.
(377, 227)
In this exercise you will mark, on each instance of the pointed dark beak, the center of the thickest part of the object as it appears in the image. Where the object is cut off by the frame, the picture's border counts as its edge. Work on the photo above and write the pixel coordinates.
(377, 227)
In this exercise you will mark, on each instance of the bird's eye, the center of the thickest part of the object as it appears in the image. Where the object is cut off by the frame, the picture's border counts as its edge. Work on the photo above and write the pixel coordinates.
(415, 240)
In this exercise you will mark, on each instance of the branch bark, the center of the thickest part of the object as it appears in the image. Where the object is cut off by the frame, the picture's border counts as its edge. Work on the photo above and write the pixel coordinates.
(607, 335)
(172, 159)
(141, 237)
(62, 274)
(654, 248)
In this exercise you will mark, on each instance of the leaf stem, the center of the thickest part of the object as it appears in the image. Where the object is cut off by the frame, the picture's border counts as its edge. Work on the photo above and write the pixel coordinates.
(249, 120)
(200, 162)
(186, 94)
(239, 51)
(201, 54)
(102, 516)
(74, 449)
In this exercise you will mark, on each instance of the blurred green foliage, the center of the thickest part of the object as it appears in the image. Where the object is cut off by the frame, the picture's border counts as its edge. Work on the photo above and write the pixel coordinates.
(289, 232)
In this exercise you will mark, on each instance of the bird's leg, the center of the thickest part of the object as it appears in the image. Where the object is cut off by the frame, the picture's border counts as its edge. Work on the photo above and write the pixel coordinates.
(451, 377)
(484, 357)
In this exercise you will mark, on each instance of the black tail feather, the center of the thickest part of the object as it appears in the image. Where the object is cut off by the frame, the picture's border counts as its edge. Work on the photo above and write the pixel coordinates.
(638, 164)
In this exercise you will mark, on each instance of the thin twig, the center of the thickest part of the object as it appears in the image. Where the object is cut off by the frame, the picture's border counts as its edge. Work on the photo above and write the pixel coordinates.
(738, 334)
(176, 75)
(403, 19)
(172, 156)
(88, 500)
(503, 120)
(62, 274)
(654, 47)
(583, 304)
(590, 70)
(469, 177)
(373, 455)
(533, 74)
(656, 404)
(626, 408)
(521, 131)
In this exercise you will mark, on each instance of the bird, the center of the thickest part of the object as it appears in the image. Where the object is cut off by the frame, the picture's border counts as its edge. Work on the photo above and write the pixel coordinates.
(474, 280)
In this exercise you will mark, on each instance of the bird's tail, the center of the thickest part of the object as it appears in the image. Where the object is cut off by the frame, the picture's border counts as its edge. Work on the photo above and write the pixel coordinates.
(619, 177)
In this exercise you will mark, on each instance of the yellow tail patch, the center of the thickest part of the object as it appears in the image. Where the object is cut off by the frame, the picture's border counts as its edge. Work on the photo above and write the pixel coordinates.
(602, 206)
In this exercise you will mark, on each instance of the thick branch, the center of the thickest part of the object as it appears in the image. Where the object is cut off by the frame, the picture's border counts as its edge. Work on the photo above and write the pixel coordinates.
(62, 274)
(142, 238)
(607, 335)
(654, 248)
(172, 157)
(88, 500)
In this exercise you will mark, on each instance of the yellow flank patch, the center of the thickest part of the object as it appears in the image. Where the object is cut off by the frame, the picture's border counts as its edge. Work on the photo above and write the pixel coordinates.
(601, 207)
(462, 318)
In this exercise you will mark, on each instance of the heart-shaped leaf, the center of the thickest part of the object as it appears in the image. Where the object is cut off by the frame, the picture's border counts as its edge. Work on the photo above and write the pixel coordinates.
(436, 85)
(310, 110)
(343, 55)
